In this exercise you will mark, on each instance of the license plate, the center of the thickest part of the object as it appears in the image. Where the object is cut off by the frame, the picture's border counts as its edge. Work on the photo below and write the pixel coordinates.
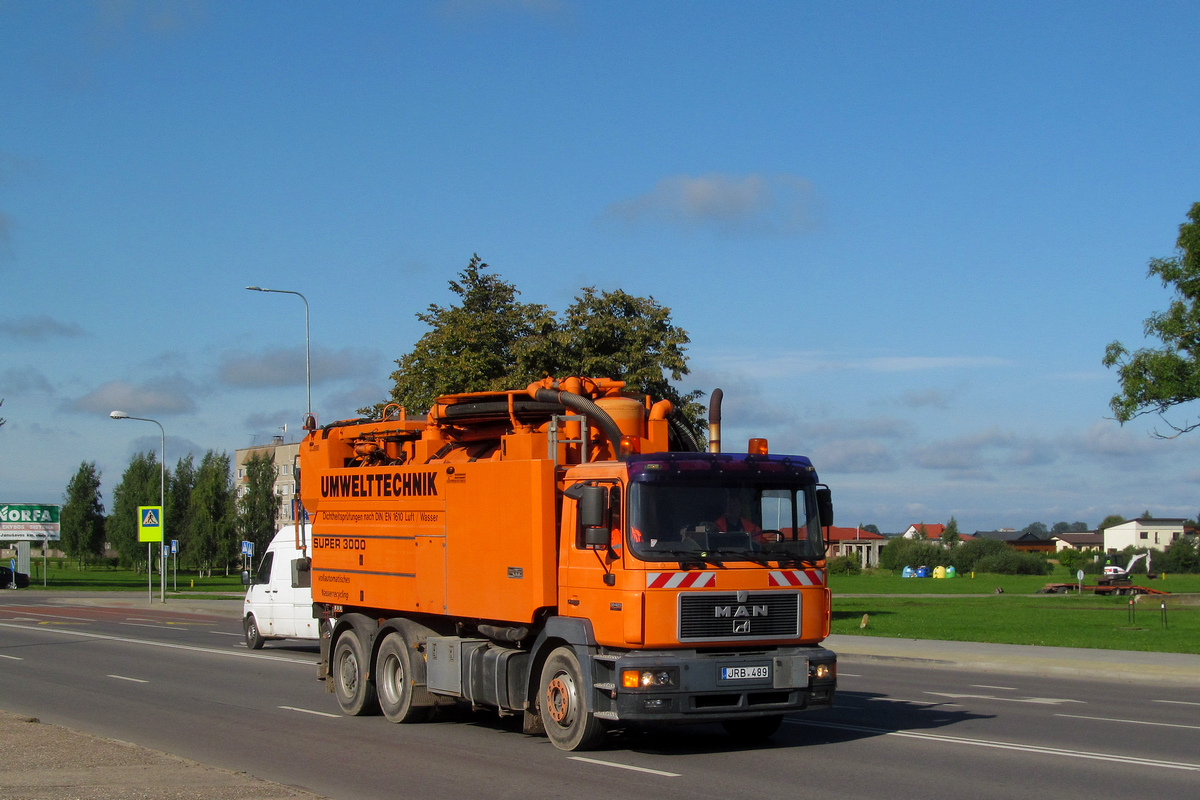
(745, 673)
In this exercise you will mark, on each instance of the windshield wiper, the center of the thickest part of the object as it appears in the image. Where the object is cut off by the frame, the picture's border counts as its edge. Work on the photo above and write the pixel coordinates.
(742, 555)
(688, 556)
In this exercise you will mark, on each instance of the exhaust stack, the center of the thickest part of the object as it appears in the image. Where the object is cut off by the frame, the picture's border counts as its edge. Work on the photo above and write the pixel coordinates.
(714, 421)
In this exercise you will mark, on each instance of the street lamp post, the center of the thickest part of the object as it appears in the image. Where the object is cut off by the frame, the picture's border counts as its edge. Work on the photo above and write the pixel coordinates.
(307, 357)
(162, 495)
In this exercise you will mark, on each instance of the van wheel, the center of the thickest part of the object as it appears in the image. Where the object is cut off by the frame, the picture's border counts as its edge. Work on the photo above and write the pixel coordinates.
(354, 691)
(254, 639)
(395, 682)
(563, 700)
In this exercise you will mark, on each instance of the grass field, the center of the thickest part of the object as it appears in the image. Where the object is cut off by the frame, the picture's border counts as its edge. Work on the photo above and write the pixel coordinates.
(968, 609)
(1056, 620)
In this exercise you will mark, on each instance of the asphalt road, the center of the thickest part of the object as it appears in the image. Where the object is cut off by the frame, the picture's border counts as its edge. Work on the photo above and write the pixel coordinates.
(184, 683)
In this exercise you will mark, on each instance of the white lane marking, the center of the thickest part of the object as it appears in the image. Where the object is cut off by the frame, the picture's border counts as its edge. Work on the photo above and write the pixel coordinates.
(310, 711)
(1176, 702)
(59, 616)
(12, 658)
(985, 686)
(144, 625)
(1038, 701)
(1132, 722)
(131, 680)
(902, 700)
(626, 766)
(172, 645)
(1023, 748)
(225, 633)
(848, 675)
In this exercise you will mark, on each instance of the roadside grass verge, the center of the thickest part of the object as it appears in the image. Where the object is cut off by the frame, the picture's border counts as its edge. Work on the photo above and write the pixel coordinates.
(1054, 620)
(65, 576)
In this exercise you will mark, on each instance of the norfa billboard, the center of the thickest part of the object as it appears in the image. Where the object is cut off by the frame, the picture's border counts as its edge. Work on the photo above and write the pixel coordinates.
(28, 522)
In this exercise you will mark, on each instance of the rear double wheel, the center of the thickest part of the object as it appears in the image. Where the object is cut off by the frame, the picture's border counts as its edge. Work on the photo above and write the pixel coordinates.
(564, 706)
(395, 682)
(354, 690)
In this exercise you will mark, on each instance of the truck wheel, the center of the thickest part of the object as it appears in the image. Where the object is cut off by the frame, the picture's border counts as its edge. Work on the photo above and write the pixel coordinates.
(354, 691)
(563, 699)
(254, 639)
(755, 729)
(394, 682)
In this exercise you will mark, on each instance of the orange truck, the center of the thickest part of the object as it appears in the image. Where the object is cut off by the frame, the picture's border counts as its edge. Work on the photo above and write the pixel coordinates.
(570, 553)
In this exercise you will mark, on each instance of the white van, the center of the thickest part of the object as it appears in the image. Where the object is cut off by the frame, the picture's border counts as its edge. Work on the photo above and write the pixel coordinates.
(278, 601)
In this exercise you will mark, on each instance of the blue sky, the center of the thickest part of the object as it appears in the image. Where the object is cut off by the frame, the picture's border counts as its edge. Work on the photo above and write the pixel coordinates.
(899, 235)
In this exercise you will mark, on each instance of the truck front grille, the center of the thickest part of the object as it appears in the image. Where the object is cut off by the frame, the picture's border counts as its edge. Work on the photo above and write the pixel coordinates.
(718, 616)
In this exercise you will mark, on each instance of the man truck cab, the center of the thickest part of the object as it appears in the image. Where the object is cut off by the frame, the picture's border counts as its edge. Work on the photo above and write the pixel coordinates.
(278, 602)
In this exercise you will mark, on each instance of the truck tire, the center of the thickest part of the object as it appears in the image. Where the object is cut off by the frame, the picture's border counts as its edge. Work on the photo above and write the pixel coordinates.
(563, 702)
(755, 729)
(394, 681)
(355, 693)
(254, 639)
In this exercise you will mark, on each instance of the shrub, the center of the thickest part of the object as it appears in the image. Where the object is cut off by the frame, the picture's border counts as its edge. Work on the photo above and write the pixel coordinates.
(900, 553)
(965, 557)
(1012, 562)
(1180, 556)
(843, 565)
(1084, 560)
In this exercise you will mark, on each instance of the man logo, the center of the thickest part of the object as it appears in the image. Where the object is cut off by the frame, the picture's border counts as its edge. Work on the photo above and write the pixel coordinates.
(741, 626)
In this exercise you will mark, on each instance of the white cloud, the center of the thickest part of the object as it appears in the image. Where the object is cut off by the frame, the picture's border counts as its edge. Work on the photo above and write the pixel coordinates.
(788, 364)
(18, 381)
(779, 205)
(286, 367)
(172, 395)
(39, 329)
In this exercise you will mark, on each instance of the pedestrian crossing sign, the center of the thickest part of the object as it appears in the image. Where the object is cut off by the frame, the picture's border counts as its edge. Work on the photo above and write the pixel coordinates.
(150, 527)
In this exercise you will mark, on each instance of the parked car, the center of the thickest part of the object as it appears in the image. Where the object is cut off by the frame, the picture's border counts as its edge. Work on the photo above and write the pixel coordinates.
(11, 579)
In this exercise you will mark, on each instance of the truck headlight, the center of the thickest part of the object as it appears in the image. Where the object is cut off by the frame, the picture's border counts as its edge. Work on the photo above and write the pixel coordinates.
(655, 678)
(823, 672)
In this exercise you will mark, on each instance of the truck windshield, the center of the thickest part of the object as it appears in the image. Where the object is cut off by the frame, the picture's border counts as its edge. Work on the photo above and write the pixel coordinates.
(720, 523)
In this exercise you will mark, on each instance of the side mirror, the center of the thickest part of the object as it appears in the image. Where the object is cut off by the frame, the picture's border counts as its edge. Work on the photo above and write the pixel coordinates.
(824, 506)
(594, 516)
(246, 581)
(301, 573)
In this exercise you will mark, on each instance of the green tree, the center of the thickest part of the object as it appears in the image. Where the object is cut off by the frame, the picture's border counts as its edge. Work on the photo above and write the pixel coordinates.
(950, 534)
(139, 486)
(870, 529)
(1038, 529)
(82, 517)
(488, 342)
(617, 335)
(1069, 527)
(179, 496)
(258, 508)
(1180, 556)
(1153, 380)
(211, 511)
(1110, 520)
